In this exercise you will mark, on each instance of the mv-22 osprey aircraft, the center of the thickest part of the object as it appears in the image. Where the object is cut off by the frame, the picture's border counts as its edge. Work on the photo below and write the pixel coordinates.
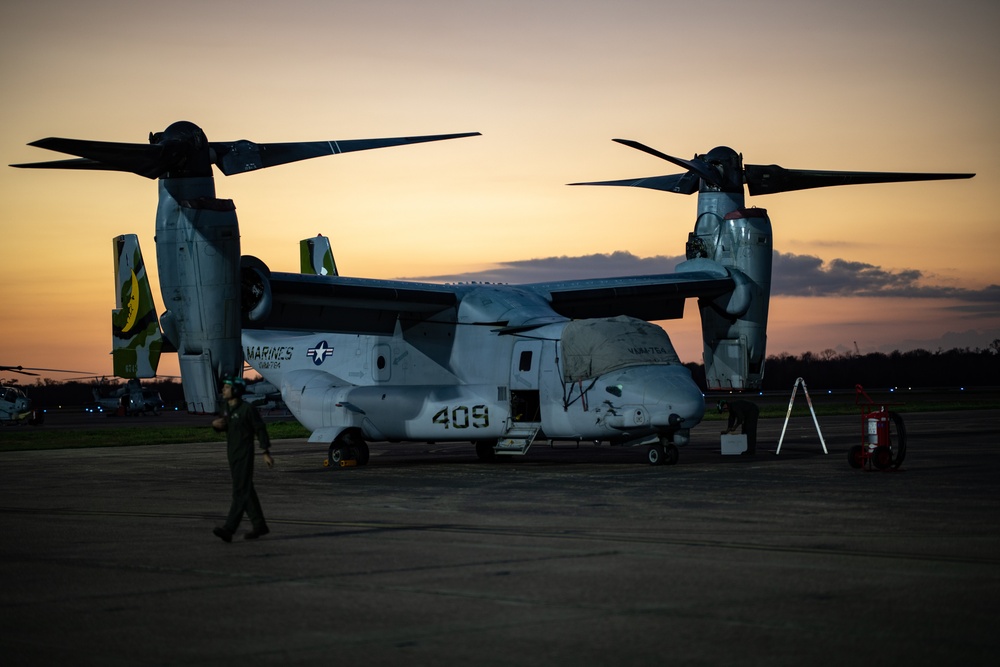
(500, 365)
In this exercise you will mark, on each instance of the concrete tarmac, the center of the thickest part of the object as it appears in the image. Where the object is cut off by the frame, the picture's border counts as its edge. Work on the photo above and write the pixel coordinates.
(569, 556)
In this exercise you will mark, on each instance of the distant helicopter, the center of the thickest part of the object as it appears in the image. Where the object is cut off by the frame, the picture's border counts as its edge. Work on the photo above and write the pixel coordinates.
(15, 406)
(126, 400)
(266, 397)
(500, 365)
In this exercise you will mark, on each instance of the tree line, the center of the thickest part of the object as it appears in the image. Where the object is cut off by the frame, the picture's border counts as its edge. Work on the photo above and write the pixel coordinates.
(829, 369)
(917, 368)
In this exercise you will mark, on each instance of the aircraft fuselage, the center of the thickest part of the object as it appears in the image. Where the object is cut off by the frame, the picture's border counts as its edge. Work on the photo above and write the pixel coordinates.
(465, 380)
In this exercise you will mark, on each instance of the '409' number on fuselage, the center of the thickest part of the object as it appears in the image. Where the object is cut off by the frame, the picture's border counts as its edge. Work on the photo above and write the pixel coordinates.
(478, 416)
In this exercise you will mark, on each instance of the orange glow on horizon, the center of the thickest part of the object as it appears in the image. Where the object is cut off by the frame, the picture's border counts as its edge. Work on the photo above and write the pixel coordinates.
(907, 92)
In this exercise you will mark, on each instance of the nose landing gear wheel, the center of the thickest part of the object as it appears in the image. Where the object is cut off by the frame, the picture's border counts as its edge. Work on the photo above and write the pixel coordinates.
(659, 455)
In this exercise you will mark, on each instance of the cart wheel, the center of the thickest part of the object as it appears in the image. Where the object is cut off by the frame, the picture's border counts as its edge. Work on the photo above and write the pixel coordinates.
(897, 438)
(882, 458)
(856, 456)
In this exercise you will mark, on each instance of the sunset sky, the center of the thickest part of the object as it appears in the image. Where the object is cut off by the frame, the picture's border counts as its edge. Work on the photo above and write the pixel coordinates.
(852, 85)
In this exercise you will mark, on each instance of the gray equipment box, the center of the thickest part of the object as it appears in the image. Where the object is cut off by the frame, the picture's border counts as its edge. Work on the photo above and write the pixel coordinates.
(734, 444)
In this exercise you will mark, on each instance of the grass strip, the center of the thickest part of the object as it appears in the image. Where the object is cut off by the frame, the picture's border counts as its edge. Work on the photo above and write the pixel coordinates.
(22, 438)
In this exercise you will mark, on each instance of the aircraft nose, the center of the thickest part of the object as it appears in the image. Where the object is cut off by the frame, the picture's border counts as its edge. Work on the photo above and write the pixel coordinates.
(691, 408)
(675, 400)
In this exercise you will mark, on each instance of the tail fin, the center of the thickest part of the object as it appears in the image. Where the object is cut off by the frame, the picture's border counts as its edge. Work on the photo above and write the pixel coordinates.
(316, 256)
(135, 329)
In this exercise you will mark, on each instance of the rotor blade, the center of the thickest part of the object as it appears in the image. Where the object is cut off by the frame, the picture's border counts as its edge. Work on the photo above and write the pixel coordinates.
(18, 370)
(237, 157)
(698, 167)
(685, 184)
(75, 163)
(765, 179)
(24, 370)
(142, 159)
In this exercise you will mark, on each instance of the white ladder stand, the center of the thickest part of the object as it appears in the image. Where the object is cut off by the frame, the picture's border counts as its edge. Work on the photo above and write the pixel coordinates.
(791, 402)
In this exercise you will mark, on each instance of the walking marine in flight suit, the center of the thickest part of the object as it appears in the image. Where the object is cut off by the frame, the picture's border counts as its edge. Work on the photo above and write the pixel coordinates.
(241, 422)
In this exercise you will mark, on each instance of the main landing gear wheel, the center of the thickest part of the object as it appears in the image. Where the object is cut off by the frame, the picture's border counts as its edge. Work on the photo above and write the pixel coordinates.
(348, 447)
(659, 455)
(485, 450)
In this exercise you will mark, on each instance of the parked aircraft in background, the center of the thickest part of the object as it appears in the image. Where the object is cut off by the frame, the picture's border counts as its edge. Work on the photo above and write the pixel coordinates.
(126, 400)
(15, 406)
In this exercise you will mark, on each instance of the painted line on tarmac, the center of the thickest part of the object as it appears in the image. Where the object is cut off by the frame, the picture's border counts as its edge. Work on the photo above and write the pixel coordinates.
(362, 527)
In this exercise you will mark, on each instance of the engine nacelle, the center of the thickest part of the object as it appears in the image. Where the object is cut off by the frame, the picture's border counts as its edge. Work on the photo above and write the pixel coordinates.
(734, 325)
(198, 253)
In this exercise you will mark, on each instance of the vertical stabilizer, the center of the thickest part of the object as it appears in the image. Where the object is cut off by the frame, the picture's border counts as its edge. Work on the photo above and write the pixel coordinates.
(135, 330)
(316, 256)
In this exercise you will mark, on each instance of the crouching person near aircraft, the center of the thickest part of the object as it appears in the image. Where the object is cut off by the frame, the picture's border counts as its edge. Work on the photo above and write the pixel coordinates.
(742, 413)
(241, 422)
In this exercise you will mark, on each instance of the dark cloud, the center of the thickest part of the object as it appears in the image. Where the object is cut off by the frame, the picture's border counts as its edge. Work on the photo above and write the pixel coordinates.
(793, 275)
(806, 275)
(549, 269)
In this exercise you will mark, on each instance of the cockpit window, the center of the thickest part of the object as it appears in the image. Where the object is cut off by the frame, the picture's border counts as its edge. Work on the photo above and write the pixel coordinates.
(594, 347)
(524, 363)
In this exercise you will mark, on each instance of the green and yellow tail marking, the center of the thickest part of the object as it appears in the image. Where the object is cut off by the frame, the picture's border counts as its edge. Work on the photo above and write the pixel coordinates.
(316, 256)
(135, 329)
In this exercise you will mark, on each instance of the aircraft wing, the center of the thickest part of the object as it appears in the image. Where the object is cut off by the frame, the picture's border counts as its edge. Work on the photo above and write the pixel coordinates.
(302, 302)
(650, 298)
(349, 305)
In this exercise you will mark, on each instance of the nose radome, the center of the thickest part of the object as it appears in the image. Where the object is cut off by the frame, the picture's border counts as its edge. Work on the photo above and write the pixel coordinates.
(673, 399)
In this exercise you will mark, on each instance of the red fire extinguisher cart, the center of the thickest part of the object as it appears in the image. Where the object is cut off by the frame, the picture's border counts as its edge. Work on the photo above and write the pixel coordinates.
(883, 436)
